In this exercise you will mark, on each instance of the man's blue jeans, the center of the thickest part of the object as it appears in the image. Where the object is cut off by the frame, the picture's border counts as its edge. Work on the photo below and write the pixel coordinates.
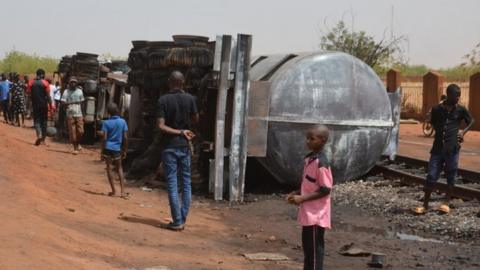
(176, 166)
(437, 162)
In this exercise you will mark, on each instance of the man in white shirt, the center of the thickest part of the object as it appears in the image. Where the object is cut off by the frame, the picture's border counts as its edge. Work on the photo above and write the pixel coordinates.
(57, 94)
(73, 99)
(52, 89)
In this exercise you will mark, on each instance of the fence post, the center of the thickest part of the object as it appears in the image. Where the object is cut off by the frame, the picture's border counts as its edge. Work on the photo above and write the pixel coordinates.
(394, 80)
(432, 90)
(474, 95)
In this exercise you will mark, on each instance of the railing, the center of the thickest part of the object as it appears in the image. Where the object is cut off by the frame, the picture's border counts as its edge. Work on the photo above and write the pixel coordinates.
(420, 94)
(412, 97)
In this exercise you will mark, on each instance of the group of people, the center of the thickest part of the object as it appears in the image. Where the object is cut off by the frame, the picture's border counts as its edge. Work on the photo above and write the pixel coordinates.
(177, 110)
(13, 98)
(44, 99)
(16, 98)
(176, 114)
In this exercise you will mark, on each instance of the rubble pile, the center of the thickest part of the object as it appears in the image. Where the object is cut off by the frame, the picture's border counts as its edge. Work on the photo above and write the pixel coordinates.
(394, 200)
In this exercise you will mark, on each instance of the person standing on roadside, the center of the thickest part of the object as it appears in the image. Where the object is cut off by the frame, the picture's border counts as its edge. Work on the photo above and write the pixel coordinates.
(52, 90)
(39, 91)
(73, 99)
(177, 111)
(114, 147)
(446, 119)
(4, 97)
(57, 94)
(314, 199)
(17, 100)
(28, 99)
(10, 109)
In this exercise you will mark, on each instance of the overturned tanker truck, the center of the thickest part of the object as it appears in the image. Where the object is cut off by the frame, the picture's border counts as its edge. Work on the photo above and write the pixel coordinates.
(331, 88)
(289, 93)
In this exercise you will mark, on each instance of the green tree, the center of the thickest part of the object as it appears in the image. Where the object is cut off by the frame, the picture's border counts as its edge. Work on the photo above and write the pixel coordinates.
(377, 54)
(23, 63)
(472, 59)
(464, 70)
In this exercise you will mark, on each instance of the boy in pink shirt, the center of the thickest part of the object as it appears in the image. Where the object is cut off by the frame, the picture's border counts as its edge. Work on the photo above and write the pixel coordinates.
(313, 198)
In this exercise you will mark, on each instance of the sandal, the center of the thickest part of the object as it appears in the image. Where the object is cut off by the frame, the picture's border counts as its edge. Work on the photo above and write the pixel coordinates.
(444, 208)
(419, 210)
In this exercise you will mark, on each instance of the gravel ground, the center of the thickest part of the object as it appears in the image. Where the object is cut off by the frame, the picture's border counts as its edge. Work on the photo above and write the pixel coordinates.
(394, 200)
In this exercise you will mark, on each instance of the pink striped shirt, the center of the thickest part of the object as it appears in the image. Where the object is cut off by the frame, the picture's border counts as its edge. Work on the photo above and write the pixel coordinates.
(316, 174)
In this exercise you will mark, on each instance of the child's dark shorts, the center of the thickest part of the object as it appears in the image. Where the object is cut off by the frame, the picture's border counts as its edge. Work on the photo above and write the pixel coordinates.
(111, 154)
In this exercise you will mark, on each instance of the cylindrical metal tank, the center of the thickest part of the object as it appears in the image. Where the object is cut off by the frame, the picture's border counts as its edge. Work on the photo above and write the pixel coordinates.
(90, 109)
(331, 88)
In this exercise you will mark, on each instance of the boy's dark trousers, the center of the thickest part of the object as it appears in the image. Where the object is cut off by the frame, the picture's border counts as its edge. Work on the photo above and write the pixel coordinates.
(313, 247)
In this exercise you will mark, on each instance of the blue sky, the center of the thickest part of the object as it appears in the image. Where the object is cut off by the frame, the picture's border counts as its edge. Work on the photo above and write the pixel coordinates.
(439, 32)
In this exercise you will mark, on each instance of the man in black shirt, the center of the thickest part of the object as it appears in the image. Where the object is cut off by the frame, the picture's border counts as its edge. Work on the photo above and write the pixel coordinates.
(176, 112)
(39, 90)
(446, 119)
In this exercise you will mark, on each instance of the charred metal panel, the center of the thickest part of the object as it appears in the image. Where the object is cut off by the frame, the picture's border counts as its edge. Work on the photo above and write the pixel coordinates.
(239, 141)
(395, 101)
(220, 116)
(135, 116)
(259, 99)
(256, 60)
(257, 137)
(258, 108)
(101, 102)
(264, 65)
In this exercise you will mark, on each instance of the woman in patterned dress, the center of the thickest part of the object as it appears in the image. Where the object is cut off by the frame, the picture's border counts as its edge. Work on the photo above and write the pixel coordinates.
(17, 100)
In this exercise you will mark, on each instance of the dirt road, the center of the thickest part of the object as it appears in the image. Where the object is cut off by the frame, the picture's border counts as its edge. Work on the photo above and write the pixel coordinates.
(55, 215)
